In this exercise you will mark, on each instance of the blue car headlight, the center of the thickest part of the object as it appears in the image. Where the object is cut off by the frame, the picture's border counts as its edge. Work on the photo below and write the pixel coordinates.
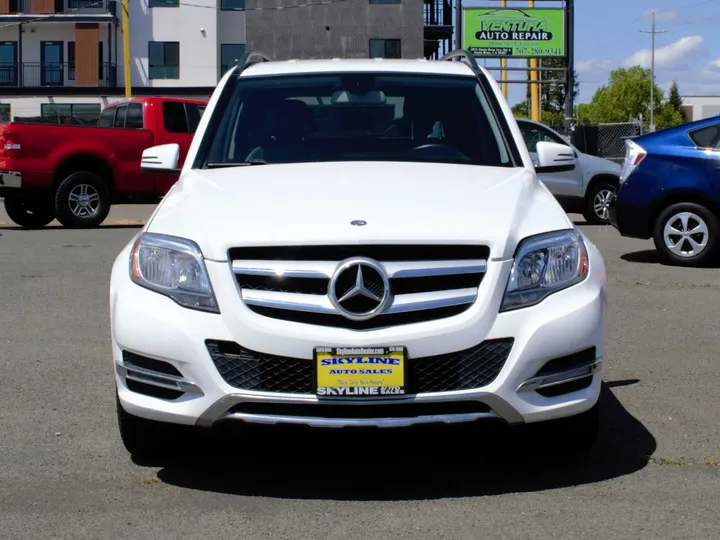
(545, 264)
(173, 267)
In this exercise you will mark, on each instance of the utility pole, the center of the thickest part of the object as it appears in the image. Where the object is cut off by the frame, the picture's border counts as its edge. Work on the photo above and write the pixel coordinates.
(459, 23)
(503, 65)
(534, 88)
(126, 48)
(651, 127)
(570, 71)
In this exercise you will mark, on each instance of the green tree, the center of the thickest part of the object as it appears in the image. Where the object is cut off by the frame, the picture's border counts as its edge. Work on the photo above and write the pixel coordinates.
(627, 95)
(666, 115)
(676, 101)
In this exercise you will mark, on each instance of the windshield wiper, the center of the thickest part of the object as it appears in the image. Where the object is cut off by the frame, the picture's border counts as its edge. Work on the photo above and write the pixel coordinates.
(222, 164)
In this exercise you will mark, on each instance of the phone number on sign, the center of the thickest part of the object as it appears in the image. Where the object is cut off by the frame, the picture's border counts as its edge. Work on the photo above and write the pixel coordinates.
(538, 51)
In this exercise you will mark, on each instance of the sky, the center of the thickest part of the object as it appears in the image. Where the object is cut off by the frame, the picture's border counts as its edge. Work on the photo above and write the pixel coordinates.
(608, 35)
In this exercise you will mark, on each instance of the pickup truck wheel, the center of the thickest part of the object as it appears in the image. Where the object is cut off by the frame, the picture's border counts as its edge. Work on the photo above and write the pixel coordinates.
(31, 214)
(82, 200)
(597, 204)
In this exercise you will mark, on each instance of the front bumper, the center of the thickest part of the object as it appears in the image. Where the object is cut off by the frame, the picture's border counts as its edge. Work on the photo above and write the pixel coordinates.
(10, 179)
(568, 323)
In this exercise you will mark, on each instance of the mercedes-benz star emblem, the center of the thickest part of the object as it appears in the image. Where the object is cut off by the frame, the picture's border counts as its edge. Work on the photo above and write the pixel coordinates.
(359, 289)
(358, 222)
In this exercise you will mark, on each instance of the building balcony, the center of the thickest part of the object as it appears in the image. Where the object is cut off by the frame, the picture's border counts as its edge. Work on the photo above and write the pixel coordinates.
(437, 15)
(51, 74)
(57, 10)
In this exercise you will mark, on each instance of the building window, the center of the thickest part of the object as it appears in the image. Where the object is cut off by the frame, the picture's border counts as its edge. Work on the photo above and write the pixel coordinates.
(232, 5)
(385, 2)
(230, 54)
(164, 59)
(71, 61)
(163, 3)
(4, 112)
(385, 48)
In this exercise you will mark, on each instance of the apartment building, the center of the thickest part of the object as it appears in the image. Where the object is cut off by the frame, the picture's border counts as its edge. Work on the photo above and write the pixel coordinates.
(61, 57)
(336, 28)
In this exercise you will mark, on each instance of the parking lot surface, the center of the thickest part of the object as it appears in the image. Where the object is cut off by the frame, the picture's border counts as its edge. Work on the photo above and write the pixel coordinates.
(65, 474)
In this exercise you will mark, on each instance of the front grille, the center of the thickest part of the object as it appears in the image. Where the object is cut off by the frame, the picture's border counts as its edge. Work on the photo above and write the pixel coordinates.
(426, 282)
(464, 370)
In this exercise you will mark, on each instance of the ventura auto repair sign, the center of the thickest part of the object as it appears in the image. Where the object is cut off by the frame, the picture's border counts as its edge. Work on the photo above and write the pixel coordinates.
(514, 33)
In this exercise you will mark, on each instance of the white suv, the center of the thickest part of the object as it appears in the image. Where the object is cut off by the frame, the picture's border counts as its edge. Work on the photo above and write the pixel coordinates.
(357, 243)
(586, 189)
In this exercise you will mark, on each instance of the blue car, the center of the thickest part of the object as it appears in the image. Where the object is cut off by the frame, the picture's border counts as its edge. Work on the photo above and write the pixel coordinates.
(670, 192)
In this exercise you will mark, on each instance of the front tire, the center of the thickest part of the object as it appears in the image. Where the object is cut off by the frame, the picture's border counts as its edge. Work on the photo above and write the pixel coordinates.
(597, 204)
(30, 214)
(147, 440)
(82, 200)
(686, 234)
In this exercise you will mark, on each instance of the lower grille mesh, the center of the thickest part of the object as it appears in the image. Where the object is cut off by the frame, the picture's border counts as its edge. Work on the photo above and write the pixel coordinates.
(247, 370)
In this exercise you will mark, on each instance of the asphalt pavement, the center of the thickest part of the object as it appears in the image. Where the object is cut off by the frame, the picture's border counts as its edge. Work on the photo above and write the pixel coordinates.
(64, 473)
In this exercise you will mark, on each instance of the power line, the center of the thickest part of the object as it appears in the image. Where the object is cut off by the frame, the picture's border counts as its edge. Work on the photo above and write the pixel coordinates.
(652, 71)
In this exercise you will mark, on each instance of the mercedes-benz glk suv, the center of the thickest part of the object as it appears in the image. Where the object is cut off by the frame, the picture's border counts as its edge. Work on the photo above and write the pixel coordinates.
(357, 243)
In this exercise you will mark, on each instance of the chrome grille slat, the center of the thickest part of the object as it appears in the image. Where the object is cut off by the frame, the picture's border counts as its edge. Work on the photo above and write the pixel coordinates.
(325, 269)
(315, 303)
(424, 282)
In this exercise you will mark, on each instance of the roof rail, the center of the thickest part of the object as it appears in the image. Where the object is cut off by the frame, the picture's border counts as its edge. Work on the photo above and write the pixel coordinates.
(250, 58)
(462, 53)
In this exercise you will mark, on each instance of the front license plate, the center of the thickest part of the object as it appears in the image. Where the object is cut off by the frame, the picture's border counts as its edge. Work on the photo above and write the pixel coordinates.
(359, 371)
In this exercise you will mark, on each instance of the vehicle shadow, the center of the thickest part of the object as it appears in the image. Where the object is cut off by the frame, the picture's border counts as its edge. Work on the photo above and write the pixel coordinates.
(645, 256)
(412, 464)
(651, 256)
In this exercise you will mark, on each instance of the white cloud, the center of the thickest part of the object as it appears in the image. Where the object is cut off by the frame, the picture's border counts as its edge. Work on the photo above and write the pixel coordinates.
(712, 70)
(591, 66)
(675, 56)
(661, 15)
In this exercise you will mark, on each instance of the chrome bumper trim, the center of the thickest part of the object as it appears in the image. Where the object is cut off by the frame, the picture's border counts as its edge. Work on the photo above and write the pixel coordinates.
(499, 408)
(553, 379)
(319, 422)
(10, 179)
(155, 378)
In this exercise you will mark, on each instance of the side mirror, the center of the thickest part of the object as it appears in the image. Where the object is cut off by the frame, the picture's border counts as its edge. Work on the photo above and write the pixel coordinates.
(161, 159)
(554, 157)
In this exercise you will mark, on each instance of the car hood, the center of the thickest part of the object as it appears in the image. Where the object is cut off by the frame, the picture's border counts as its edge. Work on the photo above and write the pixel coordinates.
(315, 203)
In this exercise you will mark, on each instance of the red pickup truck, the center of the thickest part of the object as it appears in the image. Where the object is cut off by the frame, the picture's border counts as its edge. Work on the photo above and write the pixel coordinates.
(75, 173)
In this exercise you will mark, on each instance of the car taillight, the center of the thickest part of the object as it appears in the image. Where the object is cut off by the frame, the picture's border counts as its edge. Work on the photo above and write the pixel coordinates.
(634, 154)
(9, 144)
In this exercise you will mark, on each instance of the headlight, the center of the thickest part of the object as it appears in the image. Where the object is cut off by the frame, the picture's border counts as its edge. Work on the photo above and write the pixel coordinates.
(545, 264)
(173, 267)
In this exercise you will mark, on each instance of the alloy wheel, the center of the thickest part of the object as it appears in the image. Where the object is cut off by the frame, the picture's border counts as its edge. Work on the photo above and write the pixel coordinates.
(686, 234)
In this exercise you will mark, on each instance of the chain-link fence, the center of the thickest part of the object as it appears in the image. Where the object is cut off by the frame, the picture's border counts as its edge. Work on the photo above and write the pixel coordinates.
(601, 140)
(73, 119)
(610, 139)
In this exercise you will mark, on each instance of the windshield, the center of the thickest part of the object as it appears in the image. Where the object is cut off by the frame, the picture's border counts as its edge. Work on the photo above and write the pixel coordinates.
(358, 117)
